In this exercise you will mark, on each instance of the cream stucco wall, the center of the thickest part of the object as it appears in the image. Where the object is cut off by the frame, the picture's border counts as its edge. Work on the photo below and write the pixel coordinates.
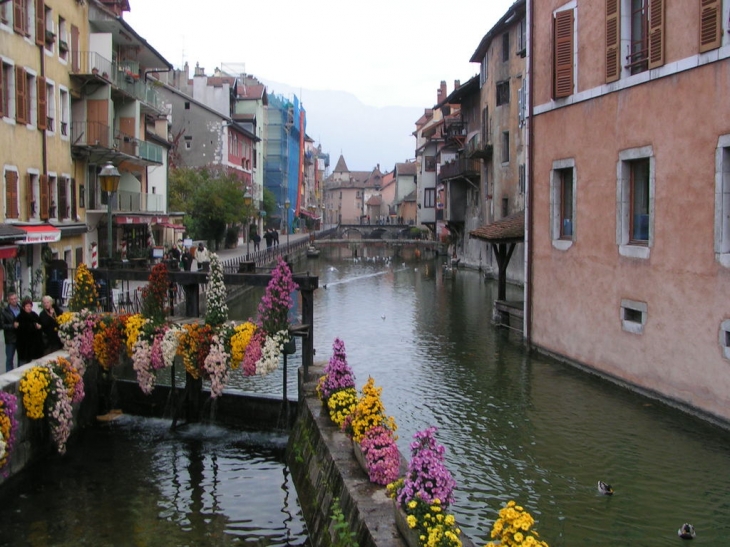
(578, 289)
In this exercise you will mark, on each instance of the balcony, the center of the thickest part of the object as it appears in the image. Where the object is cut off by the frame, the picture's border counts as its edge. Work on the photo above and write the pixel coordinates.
(475, 150)
(127, 202)
(95, 141)
(123, 76)
(460, 168)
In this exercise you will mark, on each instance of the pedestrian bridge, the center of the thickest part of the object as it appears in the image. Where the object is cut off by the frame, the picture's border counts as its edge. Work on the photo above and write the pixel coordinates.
(374, 231)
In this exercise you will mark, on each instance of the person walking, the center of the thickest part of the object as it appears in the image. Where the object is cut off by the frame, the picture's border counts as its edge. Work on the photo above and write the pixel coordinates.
(49, 325)
(256, 241)
(203, 257)
(9, 318)
(30, 339)
(269, 238)
(275, 233)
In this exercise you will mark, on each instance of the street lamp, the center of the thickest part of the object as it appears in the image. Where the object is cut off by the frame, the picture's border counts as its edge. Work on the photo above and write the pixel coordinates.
(109, 178)
(247, 200)
(287, 203)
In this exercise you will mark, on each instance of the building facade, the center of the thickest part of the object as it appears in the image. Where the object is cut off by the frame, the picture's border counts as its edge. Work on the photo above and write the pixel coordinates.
(630, 226)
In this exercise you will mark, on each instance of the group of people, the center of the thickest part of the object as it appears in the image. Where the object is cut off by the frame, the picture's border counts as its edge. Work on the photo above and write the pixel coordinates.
(271, 236)
(183, 255)
(29, 334)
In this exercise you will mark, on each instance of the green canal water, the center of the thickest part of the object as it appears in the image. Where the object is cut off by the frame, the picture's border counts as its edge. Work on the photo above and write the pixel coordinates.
(515, 426)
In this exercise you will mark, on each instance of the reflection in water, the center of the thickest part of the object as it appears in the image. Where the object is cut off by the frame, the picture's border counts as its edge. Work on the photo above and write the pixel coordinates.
(133, 482)
(515, 425)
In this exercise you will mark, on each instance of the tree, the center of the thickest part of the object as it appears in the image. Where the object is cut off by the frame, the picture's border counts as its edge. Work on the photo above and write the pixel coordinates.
(212, 200)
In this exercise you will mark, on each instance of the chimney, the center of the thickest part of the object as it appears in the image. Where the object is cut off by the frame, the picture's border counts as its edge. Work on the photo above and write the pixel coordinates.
(457, 84)
(199, 70)
(441, 95)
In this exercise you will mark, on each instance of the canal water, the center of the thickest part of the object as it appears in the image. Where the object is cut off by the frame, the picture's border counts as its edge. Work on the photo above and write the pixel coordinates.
(515, 425)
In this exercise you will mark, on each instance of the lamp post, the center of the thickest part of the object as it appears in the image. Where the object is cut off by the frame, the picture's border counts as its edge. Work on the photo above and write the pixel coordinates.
(109, 178)
(287, 203)
(247, 200)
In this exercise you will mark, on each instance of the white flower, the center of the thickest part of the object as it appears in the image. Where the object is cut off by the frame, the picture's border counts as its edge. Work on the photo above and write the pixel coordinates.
(271, 351)
(169, 344)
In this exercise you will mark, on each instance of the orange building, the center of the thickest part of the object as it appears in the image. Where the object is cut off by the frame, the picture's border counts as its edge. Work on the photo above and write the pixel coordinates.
(629, 217)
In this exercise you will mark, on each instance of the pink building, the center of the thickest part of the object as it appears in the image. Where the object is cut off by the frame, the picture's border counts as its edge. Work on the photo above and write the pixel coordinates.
(629, 219)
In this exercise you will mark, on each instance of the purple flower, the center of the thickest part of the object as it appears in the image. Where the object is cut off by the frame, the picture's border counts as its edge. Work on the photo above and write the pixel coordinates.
(381, 454)
(427, 476)
(337, 374)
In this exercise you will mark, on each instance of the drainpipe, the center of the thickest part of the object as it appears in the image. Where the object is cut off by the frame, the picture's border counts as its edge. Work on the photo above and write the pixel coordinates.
(527, 327)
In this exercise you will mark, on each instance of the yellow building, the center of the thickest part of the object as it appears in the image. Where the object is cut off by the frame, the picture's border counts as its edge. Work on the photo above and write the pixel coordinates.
(41, 209)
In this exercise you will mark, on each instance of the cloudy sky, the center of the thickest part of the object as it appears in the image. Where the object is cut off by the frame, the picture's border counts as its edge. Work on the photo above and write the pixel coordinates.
(385, 52)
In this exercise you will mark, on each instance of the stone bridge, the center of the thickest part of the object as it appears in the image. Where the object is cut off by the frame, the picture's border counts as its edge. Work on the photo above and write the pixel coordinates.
(373, 231)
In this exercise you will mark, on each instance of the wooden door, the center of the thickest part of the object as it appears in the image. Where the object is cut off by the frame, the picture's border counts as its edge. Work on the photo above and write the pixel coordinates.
(97, 118)
(126, 137)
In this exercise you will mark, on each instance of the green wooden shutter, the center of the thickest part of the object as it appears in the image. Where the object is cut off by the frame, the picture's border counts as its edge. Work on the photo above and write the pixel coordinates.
(613, 40)
(563, 54)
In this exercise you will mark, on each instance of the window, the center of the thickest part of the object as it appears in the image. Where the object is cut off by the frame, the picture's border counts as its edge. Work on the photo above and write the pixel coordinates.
(25, 96)
(50, 107)
(21, 15)
(62, 40)
(503, 92)
(722, 201)
(646, 35)
(63, 98)
(725, 338)
(429, 198)
(64, 206)
(4, 14)
(42, 94)
(430, 163)
(639, 217)
(52, 194)
(522, 38)
(188, 142)
(563, 29)
(486, 130)
(710, 24)
(32, 191)
(187, 105)
(521, 178)
(11, 194)
(505, 46)
(484, 70)
(635, 206)
(49, 32)
(7, 91)
(505, 207)
(563, 203)
(633, 316)
(505, 146)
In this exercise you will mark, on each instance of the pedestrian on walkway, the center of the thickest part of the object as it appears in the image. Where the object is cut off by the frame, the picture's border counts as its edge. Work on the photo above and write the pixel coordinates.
(275, 232)
(203, 257)
(269, 238)
(187, 259)
(49, 325)
(9, 317)
(256, 241)
(29, 336)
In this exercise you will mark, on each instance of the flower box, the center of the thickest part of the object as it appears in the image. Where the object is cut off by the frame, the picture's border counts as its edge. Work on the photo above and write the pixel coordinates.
(63, 46)
(409, 535)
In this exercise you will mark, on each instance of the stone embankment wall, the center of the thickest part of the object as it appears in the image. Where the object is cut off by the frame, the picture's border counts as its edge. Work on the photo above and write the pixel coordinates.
(324, 467)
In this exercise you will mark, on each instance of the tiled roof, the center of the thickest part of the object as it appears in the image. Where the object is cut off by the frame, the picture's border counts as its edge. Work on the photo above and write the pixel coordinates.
(374, 200)
(408, 168)
(341, 166)
(508, 229)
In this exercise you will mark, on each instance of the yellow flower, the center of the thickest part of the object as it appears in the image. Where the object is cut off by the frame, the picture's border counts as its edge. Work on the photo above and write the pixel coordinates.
(239, 342)
(35, 386)
(411, 520)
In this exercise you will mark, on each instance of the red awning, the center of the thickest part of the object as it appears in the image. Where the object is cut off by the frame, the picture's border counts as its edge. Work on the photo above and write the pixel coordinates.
(8, 251)
(306, 213)
(43, 233)
(171, 225)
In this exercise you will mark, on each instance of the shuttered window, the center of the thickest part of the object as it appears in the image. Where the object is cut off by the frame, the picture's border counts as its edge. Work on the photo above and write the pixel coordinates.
(563, 54)
(656, 33)
(710, 24)
(613, 39)
(74, 204)
(21, 94)
(11, 194)
(42, 102)
(20, 17)
(43, 187)
(29, 197)
(40, 23)
(62, 198)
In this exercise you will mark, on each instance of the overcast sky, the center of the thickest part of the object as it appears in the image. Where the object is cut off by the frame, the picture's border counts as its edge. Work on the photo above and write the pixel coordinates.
(385, 52)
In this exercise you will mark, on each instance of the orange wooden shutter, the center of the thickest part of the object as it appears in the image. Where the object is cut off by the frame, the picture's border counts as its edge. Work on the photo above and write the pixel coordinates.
(42, 103)
(20, 95)
(563, 54)
(43, 205)
(656, 33)
(613, 40)
(74, 202)
(40, 23)
(11, 194)
(710, 25)
(18, 16)
(28, 196)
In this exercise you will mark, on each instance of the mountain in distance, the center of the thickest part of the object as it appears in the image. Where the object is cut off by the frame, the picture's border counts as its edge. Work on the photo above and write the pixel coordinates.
(365, 135)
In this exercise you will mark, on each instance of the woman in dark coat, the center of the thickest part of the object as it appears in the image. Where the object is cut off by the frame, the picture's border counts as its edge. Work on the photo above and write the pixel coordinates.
(30, 339)
(49, 325)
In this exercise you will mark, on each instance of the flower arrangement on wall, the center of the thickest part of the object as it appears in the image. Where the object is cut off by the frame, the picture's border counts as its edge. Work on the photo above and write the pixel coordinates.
(49, 389)
(336, 388)
(513, 528)
(8, 428)
(84, 295)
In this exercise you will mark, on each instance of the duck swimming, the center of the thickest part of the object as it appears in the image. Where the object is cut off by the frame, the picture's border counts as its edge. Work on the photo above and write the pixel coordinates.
(605, 489)
(687, 531)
